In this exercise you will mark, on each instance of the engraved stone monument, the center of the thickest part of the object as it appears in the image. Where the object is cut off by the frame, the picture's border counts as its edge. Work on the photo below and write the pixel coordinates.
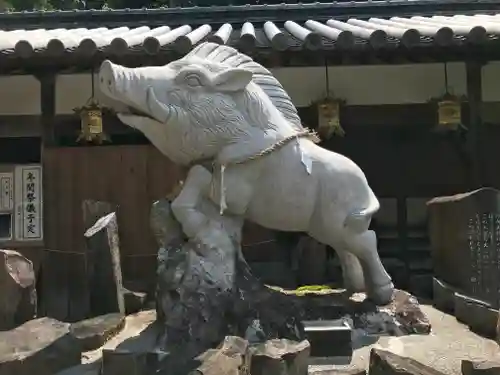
(465, 241)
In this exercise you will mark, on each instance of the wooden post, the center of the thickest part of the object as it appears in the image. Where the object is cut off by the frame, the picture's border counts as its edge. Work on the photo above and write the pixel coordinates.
(402, 228)
(48, 107)
(475, 99)
(54, 289)
(312, 261)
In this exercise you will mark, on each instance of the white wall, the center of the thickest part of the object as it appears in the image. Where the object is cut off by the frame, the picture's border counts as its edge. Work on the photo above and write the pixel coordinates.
(19, 95)
(359, 85)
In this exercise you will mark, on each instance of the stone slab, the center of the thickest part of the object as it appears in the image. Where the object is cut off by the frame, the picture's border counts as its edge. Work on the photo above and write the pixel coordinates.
(443, 296)
(42, 346)
(347, 371)
(477, 315)
(480, 367)
(122, 361)
(383, 362)
(280, 357)
(95, 332)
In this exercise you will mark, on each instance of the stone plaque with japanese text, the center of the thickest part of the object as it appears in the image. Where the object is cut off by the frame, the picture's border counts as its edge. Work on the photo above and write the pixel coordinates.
(484, 255)
(465, 242)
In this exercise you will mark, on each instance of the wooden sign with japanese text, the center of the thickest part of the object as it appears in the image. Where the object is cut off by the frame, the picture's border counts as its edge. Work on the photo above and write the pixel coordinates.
(29, 215)
(6, 192)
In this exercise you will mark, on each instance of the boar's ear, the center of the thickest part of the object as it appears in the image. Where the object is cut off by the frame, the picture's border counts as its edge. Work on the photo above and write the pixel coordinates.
(232, 80)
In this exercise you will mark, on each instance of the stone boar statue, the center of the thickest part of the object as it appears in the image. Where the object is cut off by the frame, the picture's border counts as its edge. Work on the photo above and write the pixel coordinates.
(216, 104)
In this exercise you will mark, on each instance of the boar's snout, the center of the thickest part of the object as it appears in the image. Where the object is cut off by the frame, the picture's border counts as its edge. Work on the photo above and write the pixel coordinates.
(111, 78)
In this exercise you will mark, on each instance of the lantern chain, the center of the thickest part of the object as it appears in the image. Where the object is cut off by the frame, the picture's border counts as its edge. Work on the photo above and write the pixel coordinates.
(327, 76)
(92, 82)
(446, 78)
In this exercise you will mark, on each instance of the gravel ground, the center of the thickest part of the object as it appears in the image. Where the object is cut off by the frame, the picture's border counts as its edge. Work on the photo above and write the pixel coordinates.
(443, 349)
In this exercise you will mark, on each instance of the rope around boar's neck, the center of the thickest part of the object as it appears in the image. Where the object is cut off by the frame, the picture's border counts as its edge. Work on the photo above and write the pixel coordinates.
(307, 133)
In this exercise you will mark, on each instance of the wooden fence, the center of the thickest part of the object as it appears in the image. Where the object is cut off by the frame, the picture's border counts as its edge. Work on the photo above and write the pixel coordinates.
(130, 177)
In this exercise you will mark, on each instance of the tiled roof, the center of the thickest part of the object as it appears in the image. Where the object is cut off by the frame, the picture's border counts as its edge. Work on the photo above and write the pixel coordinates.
(237, 14)
(373, 32)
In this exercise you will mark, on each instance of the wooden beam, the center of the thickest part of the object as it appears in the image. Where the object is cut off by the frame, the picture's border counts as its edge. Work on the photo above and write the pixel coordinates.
(474, 94)
(17, 126)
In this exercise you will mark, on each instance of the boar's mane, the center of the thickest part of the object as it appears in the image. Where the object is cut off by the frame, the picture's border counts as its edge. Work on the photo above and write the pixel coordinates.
(261, 76)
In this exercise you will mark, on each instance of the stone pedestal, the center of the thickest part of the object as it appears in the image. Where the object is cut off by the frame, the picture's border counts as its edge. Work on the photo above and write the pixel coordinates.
(329, 338)
(206, 290)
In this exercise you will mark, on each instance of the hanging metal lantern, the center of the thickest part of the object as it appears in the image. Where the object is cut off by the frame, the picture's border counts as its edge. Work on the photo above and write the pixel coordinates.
(449, 108)
(91, 129)
(329, 117)
(91, 123)
(449, 112)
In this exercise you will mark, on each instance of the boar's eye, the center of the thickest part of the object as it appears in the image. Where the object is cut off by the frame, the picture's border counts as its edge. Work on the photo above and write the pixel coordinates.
(193, 80)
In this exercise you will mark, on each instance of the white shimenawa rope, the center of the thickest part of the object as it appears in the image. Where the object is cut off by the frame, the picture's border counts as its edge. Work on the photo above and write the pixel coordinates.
(307, 133)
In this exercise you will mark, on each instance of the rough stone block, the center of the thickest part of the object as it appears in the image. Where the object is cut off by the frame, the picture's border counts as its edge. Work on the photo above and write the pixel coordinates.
(443, 296)
(95, 332)
(18, 300)
(134, 301)
(120, 362)
(280, 357)
(328, 338)
(409, 314)
(43, 347)
(478, 315)
(383, 362)
(480, 367)
(227, 359)
(346, 371)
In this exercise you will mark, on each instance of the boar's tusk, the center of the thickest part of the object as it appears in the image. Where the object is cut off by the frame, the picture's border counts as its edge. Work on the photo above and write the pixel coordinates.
(158, 110)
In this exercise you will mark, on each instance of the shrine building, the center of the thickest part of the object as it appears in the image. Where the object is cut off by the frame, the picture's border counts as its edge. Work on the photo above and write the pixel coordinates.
(407, 89)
